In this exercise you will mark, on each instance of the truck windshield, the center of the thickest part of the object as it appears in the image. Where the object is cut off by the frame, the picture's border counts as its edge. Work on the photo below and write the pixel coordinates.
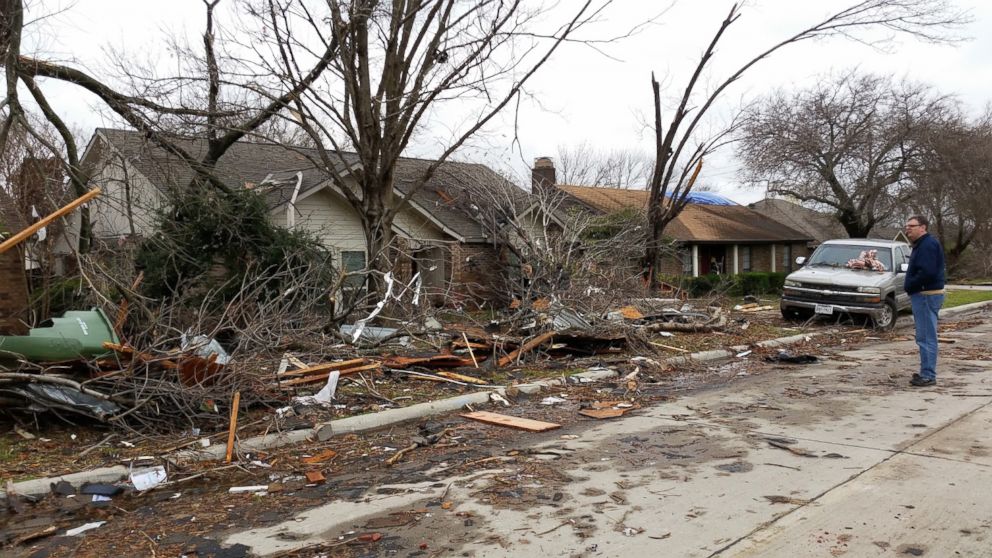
(838, 255)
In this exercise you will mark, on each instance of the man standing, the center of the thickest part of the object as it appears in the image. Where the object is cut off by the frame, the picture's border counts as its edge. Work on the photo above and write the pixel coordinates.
(925, 286)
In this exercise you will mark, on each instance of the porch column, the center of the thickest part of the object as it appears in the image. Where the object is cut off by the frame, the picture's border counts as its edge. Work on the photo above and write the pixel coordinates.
(736, 268)
(695, 260)
(773, 258)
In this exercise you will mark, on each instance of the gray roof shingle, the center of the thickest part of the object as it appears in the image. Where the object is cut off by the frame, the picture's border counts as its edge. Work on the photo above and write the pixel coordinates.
(247, 164)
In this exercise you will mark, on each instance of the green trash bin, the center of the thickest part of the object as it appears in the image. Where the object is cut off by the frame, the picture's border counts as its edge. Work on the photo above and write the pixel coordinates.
(77, 334)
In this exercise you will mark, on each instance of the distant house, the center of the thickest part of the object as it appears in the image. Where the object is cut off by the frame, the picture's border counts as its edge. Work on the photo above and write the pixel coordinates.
(818, 225)
(13, 283)
(444, 244)
(715, 235)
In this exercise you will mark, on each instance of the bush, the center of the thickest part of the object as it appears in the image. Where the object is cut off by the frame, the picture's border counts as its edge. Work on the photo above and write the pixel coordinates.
(755, 283)
(209, 239)
(751, 283)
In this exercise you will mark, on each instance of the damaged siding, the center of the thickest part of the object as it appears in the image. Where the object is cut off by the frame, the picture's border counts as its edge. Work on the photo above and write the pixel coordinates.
(112, 216)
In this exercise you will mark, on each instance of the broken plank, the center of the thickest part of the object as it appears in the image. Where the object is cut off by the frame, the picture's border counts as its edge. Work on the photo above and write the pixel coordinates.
(669, 347)
(526, 348)
(325, 367)
(462, 378)
(602, 413)
(519, 423)
(315, 378)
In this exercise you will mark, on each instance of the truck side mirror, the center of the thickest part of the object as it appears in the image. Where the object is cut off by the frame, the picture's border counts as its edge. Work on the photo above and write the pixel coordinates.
(800, 261)
(903, 268)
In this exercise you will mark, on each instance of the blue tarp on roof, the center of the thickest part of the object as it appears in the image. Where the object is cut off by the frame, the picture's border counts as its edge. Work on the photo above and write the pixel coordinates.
(707, 198)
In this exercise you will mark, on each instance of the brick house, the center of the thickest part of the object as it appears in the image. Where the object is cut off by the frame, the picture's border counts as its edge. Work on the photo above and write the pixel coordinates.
(445, 245)
(713, 235)
(13, 279)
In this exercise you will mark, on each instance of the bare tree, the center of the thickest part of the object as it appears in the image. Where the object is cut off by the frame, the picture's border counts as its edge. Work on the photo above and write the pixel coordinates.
(400, 63)
(679, 149)
(952, 186)
(585, 165)
(851, 144)
(551, 249)
(215, 95)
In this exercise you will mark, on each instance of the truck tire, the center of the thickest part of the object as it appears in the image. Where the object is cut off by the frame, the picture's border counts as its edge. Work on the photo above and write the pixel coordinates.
(887, 319)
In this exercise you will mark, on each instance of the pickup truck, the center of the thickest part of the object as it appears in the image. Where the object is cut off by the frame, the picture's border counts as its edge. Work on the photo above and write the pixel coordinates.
(831, 282)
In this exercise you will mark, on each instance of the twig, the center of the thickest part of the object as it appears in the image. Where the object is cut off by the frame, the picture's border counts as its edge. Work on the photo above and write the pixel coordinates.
(569, 522)
(94, 446)
(399, 455)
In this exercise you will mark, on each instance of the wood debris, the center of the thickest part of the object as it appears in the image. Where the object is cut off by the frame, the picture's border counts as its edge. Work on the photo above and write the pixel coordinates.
(511, 422)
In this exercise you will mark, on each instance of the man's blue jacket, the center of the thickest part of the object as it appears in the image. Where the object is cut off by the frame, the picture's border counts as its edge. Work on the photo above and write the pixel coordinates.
(926, 266)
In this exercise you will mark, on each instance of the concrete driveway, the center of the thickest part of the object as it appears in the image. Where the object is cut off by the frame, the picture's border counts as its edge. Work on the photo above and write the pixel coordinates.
(839, 458)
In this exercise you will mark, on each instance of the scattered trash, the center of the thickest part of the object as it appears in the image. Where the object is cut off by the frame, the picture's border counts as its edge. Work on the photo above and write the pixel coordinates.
(497, 398)
(326, 393)
(101, 489)
(261, 488)
(83, 528)
(23, 433)
(42, 397)
(63, 488)
(148, 479)
(786, 357)
(608, 409)
(744, 354)
(511, 422)
(315, 477)
(553, 400)
(321, 457)
(788, 447)
(205, 347)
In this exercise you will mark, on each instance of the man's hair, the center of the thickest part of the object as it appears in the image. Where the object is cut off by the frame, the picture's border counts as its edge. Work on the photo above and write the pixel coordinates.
(921, 220)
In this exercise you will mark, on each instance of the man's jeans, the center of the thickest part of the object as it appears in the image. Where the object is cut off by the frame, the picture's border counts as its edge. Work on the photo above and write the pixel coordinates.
(925, 309)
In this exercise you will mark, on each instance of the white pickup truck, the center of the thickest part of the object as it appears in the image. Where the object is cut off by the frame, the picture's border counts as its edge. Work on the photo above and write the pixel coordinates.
(827, 283)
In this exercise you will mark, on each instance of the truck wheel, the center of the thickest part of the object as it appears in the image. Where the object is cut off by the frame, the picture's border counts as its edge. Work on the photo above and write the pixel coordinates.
(887, 318)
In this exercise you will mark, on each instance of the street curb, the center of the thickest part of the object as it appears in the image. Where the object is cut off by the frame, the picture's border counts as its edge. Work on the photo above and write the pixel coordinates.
(40, 487)
(965, 308)
(372, 421)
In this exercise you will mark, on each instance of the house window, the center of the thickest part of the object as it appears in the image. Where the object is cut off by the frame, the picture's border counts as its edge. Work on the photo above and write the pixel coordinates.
(687, 262)
(353, 261)
(746, 259)
(787, 258)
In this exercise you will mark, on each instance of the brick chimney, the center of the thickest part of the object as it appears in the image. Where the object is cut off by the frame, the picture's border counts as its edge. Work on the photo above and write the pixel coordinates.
(543, 174)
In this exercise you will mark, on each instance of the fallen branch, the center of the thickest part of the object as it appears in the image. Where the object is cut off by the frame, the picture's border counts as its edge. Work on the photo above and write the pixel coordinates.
(526, 348)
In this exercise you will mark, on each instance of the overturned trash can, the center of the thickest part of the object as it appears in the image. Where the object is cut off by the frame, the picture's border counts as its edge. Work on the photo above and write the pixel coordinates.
(77, 334)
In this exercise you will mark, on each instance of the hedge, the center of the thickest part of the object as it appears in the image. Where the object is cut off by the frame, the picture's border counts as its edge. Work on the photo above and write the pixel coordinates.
(752, 283)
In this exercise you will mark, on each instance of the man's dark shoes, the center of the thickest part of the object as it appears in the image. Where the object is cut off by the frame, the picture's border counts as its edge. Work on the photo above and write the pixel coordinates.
(920, 381)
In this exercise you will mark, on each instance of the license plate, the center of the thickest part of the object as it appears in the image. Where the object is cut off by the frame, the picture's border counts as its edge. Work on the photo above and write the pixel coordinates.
(824, 309)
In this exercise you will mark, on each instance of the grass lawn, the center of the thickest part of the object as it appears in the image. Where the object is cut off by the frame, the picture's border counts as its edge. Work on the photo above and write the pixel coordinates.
(958, 298)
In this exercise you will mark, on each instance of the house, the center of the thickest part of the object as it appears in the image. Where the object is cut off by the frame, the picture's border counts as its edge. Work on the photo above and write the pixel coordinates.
(714, 235)
(13, 284)
(817, 224)
(444, 244)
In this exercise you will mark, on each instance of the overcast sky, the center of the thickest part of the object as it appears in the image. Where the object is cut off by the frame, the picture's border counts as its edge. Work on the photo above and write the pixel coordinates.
(585, 96)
